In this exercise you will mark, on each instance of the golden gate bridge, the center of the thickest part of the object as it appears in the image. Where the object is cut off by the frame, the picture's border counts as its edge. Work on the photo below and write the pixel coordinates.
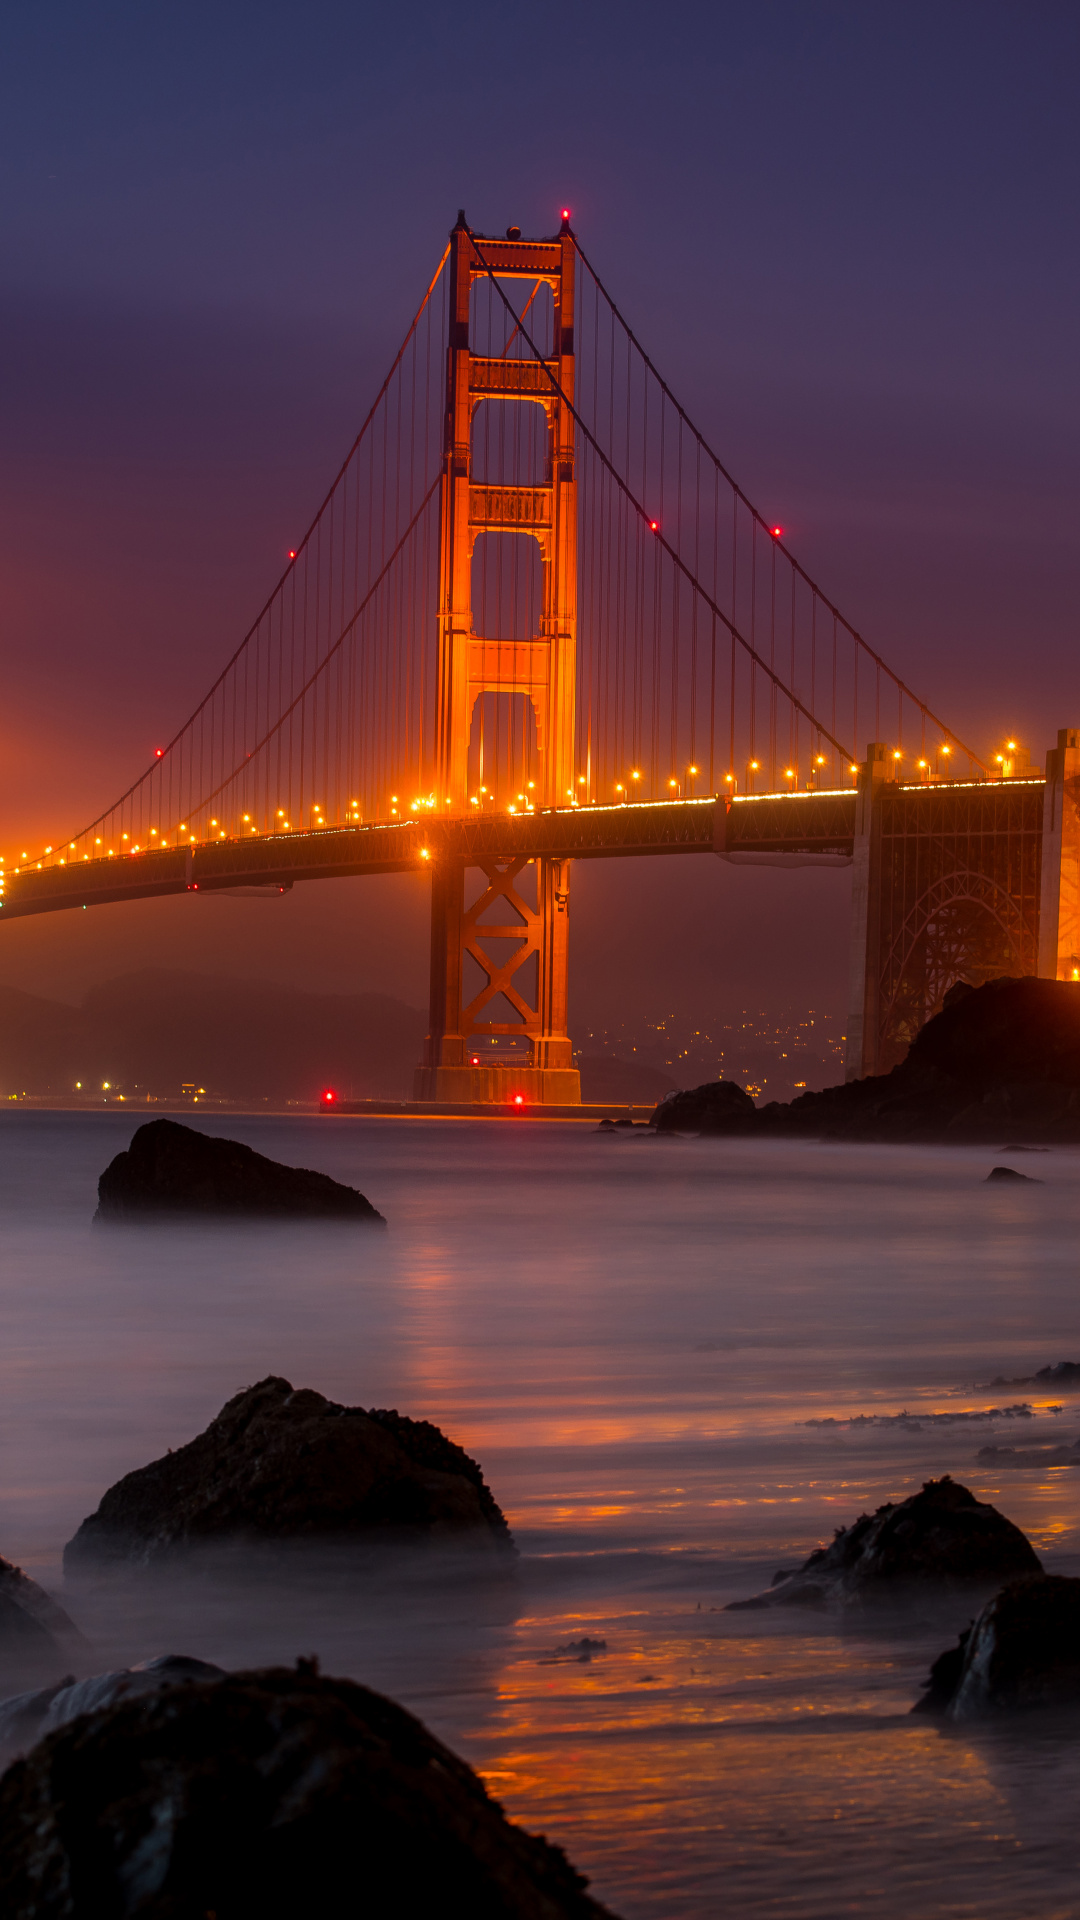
(536, 620)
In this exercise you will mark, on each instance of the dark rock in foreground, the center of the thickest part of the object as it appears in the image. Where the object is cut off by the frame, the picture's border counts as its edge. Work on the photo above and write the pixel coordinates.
(719, 1107)
(281, 1464)
(272, 1793)
(999, 1062)
(28, 1717)
(35, 1633)
(171, 1169)
(1022, 1651)
(941, 1538)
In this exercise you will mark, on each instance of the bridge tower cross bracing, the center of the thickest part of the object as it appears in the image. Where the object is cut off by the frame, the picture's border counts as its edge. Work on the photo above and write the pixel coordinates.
(532, 980)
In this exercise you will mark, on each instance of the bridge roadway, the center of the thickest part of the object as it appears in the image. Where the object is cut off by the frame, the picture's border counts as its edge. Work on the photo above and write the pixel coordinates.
(789, 827)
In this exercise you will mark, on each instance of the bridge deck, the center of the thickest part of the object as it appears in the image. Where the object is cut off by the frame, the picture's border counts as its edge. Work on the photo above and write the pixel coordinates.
(788, 824)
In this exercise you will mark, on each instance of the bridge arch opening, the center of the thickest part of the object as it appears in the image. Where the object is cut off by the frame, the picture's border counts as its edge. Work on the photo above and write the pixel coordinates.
(495, 332)
(505, 758)
(507, 586)
(510, 444)
(965, 926)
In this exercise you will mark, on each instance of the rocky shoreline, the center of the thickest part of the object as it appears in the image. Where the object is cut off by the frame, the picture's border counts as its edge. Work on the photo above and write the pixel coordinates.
(999, 1063)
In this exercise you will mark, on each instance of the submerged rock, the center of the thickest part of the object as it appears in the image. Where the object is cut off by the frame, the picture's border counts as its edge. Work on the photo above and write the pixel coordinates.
(279, 1463)
(720, 1106)
(35, 1632)
(266, 1793)
(28, 1717)
(169, 1168)
(1022, 1651)
(941, 1538)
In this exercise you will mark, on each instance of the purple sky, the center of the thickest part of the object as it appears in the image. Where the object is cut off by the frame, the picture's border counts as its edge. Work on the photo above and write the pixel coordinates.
(846, 234)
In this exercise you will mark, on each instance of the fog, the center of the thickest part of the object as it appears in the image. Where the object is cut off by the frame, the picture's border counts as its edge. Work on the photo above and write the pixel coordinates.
(630, 1335)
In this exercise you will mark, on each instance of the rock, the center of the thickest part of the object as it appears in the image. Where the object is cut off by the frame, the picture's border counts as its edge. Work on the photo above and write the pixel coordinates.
(266, 1793)
(1001, 1061)
(170, 1169)
(28, 1717)
(35, 1632)
(720, 1106)
(282, 1464)
(1023, 1650)
(941, 1538)
(1010, 1173)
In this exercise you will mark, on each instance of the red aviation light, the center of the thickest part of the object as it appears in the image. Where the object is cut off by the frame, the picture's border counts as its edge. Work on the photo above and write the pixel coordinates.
(519, 1099)
(159, 753)
(329, 1097)
(776, 532)
(566, 213)
(655, 525)
(292, 553)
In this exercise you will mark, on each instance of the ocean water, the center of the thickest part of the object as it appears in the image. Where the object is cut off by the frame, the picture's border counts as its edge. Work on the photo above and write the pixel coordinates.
(634, 1337)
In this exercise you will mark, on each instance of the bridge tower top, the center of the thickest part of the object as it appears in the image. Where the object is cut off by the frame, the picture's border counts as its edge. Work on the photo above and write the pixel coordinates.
(538, 666)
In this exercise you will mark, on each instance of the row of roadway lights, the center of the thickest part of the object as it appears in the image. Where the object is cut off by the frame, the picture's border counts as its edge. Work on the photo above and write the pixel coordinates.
(523, 801)
(282, 824)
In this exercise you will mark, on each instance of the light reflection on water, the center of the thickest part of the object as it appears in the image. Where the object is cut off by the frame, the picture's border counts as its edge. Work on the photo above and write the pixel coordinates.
(630, 1335)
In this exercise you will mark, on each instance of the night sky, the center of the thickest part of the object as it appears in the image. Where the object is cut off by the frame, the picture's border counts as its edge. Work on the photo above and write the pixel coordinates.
(846, 234)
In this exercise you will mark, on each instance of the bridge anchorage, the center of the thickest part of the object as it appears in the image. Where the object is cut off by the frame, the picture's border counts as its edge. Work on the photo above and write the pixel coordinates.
(535, 620)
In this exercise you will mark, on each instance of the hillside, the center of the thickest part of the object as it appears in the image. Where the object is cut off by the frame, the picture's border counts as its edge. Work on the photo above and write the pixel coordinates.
(158, 1030)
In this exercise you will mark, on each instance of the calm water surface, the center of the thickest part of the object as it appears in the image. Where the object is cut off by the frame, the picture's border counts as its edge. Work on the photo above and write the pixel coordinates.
(631, 1335)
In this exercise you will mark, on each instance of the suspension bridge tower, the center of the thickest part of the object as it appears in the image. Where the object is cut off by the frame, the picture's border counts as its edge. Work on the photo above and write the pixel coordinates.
(513, 923)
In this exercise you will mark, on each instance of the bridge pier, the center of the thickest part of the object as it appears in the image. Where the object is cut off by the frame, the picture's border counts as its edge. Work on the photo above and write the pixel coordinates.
(1059, 907)
(502, 953)
(957, 880)
(861, 1049)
